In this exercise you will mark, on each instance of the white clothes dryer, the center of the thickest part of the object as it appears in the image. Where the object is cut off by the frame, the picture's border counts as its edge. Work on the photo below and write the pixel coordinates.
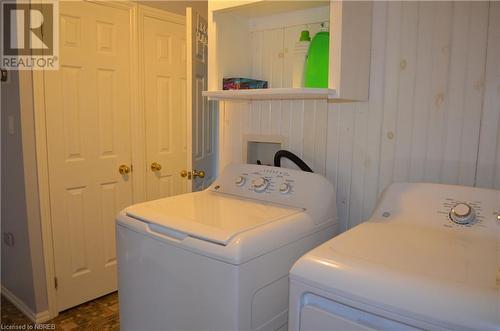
(428, 258)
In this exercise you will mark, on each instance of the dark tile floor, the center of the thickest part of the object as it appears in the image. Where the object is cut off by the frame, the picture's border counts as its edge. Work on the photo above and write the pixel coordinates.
(99, 314)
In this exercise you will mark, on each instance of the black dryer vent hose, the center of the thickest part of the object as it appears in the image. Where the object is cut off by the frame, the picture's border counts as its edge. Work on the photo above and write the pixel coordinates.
(292, 157)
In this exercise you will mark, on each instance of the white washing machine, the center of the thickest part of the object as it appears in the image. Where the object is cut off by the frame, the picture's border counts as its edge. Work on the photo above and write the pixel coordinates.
(219, 259)
(429, 258)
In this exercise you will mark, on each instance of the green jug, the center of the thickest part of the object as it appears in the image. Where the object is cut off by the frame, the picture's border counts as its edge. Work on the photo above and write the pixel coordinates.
(317, 60)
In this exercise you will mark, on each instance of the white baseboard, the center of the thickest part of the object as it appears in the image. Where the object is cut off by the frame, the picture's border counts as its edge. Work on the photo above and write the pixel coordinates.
(40, 317)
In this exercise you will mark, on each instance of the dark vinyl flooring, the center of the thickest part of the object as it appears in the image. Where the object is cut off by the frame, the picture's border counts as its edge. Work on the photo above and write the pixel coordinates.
(99, 314)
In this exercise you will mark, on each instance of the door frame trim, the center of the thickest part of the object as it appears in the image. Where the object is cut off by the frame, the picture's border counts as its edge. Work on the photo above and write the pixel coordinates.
(40, 132)
(189, 96)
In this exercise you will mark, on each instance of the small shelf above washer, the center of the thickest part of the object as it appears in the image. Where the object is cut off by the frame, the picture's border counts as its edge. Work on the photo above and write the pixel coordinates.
(272, 94)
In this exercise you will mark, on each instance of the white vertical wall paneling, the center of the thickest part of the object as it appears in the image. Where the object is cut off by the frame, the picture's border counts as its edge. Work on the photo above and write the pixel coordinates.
(333, 151)
(278, 57)
(441, 37)
(245, 121)
(291, 36)
(391, 78)
(308, 134)
(471, 123)
(265, 116)
(422, 91)
(275, 118)
(272, 57)
(339, 154)
(285, 128)
(426, 83)
(407, 74)
(488, 169)
(267, 58)
(456, 91)
(356, 213)
(286, 108)
(257, 44)
(296, 127)
(463, 122)
(315, 134)
(373, 124)
(344, 167)
(233, 132)
(255, 115)
(221, 143)
(333, 144)
(237, 129)
(320, 136)
(234, 31)
(224, 154)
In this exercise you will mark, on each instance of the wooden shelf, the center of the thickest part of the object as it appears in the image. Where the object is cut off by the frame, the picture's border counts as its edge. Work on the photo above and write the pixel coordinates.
(272, 94)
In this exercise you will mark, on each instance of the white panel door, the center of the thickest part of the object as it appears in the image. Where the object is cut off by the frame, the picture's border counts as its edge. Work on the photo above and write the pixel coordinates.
(202, 114)
(88, 138)
(164, 56)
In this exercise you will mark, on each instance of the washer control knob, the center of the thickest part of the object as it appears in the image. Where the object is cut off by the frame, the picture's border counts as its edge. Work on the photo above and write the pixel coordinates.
(285, 188)
(462, 213)
(260, 184)
(240, 180)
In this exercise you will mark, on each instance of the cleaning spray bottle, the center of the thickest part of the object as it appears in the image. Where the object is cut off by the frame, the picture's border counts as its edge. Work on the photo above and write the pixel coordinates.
(317, 59)
(299, 59)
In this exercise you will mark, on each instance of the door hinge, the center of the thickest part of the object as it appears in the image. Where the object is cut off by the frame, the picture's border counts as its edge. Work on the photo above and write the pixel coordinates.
(55, 283)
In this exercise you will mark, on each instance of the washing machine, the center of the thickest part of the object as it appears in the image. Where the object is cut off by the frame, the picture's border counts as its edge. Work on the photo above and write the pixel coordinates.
(428, 258)
(219, 259)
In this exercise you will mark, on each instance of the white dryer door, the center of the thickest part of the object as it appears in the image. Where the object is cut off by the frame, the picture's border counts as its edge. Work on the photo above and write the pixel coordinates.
(319, 314)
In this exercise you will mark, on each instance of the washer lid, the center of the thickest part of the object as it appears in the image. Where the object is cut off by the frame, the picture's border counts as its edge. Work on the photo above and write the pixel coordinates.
(210, 216)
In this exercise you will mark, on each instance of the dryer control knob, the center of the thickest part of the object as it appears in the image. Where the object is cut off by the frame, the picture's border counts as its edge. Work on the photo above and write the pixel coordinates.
(240, 180)
(260, 184)
(285, 188)
(462, 213)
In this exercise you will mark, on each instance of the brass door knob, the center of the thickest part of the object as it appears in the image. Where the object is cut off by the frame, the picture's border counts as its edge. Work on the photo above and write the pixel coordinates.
(199, 173)
(185, 173)
(155, 166)
(124, 169)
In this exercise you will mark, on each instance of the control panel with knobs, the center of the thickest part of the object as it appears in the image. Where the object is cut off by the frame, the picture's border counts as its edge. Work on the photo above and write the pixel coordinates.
(268, 180)
(271, 183)
(462, 213)
(260, 184)
(310, 192)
